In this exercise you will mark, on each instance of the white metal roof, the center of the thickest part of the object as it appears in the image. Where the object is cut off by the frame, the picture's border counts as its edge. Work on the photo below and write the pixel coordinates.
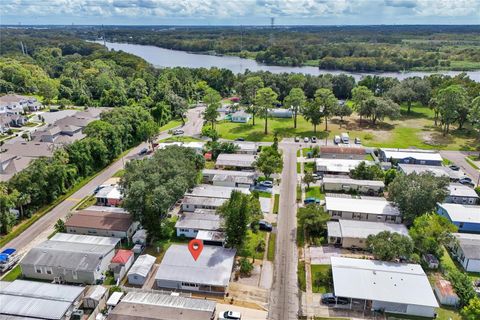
(438, 171)
(79, 238)
(110, 192)
(235, 160)
(203, 201)
(190, 220)
(235, 179)
(339, 165)
(213, 266)
(350, 181)
(461, 212)
(37, 299)
(210, 191)
(382, 281)
(228, 172)
(426, 155)
(362, 229)
(165, 300)
(207, 235)
(114, 299)
(460, 190)
(370, 206)
(142, 265)
(470, 244)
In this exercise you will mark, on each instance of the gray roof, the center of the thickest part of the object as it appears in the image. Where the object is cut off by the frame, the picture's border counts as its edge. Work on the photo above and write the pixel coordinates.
(228, 172)
(235, 179)
(213, 266)
(199, 221)
(427, 155)
(145, 305)
(30, 149)
(350, 181)
(210, 191)
(203, 201)
(460, 190)
(372, 205)
(80, 238)
(68, 255)
(142, 265)
(461, 212)
(235, 160)
(470, 244)
(339, 165)
(362, 229)
(33, 299)
(438, 171)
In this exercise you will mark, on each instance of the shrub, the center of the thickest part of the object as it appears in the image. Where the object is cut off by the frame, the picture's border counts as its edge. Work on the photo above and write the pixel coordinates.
(246, 267)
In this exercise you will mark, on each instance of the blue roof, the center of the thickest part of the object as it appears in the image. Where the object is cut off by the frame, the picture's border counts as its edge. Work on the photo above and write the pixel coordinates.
(3, 257)
(9, 251)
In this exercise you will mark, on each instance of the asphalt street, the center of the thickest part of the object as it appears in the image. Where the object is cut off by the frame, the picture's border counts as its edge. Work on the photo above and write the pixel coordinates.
(458, 158)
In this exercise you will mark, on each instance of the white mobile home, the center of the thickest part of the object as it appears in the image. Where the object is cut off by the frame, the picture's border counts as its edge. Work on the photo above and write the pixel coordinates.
(138, 274)
(371, 209)
(346, 184)
(189, 224)
(235, 161)
(461, 194)
(466, 249)
(338, 166)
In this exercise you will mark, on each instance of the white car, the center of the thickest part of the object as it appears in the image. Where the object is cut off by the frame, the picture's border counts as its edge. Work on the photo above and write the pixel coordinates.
(230, 315)
(306, 139)
(267, 183)
(178, 132)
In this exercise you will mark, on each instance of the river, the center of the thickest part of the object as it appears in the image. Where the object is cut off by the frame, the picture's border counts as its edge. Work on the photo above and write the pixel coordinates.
(164, 58)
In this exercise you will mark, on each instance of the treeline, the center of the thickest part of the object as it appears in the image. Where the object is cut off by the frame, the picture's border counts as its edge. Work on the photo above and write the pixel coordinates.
(359, 48)
(46, 179)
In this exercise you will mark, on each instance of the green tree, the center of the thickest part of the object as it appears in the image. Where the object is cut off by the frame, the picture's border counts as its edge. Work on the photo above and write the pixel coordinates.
(367, 172)
(471, 311)
(265, 99)
(161, 113)
(360, 95)
(451, 101)
(308, 178)
(430, 232)
(377, 108)
(179, 105)
(342, 110)
(138, 90)
(269, 161)
(326, 101)
(389, 246)
(296, 100)
(250, 87)
(417, 194)
(8, 199)
(212, 99)
(313, 114)
(390, 175)
(59, 226)
(463, 286)
(474, 115)
(409, 91)
(342, 86)
(313, 221)
(246, 267)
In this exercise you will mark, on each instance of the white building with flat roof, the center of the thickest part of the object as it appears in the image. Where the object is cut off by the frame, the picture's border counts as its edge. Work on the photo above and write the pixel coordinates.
(392, 287)
(344, 183)
(354, 234)
(461, 194)
(338, 166)
(210, 191)
(235, 161)
(466, 248)
(138, 273)
(369, 209)
(437, 171)
(411, 156)
(189, 224)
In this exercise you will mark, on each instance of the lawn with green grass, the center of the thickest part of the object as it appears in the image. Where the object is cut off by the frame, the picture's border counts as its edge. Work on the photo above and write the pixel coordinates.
(319, 270)
(301, 275)
(470, 160)
(276, 203)
(86, 202)
(414, 129)
(251, 243)
(299, 167)
(299, 193)
(314, 192)
(209, 164)
(119, 173)
(181, 139)
(448, 313)
(309, 167)
(13, 274)
(264, 194)
(170, 125)
(368, 157)
(271, 246)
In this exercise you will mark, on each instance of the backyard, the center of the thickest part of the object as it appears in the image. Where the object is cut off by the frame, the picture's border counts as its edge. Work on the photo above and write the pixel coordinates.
(411, 130)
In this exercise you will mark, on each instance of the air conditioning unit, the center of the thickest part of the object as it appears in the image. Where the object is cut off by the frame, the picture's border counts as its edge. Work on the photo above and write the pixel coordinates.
(77, 314)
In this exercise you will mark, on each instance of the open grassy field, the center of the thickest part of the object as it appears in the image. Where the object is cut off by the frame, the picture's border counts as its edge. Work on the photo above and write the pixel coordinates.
(314, 192)
(410, 130)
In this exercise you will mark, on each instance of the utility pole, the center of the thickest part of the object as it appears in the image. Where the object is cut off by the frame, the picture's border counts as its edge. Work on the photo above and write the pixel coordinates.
(272, 25)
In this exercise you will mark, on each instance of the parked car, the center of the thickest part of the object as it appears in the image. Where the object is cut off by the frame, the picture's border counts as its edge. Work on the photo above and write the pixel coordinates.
(316, 176)
(267, 183)
(265, 226)
(345, 138)
(240, 139)
(467, 181)
(178, 132)
(306, 139)
(358, 141)
(454, 167)
(330, 298)
(314, 139)
(311, 200)
(143, 151)
(297, 139)
(336, 139)
(230, 315)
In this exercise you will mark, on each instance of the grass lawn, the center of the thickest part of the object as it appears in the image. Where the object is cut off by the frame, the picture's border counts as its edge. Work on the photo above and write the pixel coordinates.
(181, 139)
(299, 193)
(119, 173)
(302, 277)
(13, 274)
(447, 313)
(317, 271)
(368, 157)
(448, 263)
(276, 203)
(414, 129)
(264, 194)
(170, 125)
(470, 160)
(314, 192)
(251, 244)
(299, 167)
(309, 167)
(86, 202)
(271, 246)
(209, 164)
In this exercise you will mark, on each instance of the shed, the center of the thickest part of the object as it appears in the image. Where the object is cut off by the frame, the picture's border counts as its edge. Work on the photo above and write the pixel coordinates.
(95, 295)
(445, 294)
(140, 270)
(114, 299)
(140, 237)
(431, 261)
(121, 262)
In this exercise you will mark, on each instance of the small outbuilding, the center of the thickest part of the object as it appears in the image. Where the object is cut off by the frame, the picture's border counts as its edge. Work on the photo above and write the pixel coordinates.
(140, 270)
(445, 294)
(140, 237)
(121, 262)
(241, 117)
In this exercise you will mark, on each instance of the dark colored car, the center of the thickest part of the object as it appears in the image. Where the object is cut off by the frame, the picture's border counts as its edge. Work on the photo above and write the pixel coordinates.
(467, 182)
(311, 200)
(240, 139)
(330, 298)
(265, 226)
(454, 167)
(314, 139)
(143, 151)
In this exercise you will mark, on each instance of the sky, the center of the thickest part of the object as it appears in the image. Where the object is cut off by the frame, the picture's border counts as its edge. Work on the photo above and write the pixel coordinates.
(239, 12)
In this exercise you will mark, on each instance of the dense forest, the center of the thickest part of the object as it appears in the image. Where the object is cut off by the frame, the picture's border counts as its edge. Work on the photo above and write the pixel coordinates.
(350, 48)
(64, 70)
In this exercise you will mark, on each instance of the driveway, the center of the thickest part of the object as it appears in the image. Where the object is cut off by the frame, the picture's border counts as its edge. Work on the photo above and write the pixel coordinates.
(458, 158)
(247, 313)
(322, 255)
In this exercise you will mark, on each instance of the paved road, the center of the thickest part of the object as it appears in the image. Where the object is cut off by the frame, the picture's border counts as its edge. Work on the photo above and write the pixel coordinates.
(41, 229)
(284, 296)
(458, 157)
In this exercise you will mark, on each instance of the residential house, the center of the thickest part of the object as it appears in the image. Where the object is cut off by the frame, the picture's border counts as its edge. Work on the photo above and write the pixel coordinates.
(190, 204)
(465, 217)
(121, 263)
(411, 156)
(229, 178)
(384, 286)
(109, 195)
(15, 101)
(466, 248)
(437, 171)
(206, 196)
(100, 223)
(157, 306)
(138, 273)
(241, 117)
(210, 273)
(371, 209)
(23, 299)
(340, 183)
(280, 113)
(461, 194)
(68, 261)
(354, 234)
(235, 161)
(338, 152)
(189, 224)
(338, 166)
(246, 147)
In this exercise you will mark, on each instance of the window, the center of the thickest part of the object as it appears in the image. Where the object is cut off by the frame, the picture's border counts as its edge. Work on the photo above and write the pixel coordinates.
(38, 270)
(49, 271)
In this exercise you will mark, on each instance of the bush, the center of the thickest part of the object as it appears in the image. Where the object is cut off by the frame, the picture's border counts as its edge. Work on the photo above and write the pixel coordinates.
(246, 267)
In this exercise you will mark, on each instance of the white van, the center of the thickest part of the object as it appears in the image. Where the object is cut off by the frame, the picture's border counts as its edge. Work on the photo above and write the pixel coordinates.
(345, 138)
(336, 140)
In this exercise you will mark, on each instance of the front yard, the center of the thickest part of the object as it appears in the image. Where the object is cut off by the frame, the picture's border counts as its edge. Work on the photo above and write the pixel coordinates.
(321, 279)
(314, 192)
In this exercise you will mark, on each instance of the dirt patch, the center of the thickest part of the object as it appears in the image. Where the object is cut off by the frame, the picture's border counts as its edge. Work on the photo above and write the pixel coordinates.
(436, 139)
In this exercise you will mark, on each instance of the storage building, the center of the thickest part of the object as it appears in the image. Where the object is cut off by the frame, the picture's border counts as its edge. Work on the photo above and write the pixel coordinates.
(445, 293)
(140, 270)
